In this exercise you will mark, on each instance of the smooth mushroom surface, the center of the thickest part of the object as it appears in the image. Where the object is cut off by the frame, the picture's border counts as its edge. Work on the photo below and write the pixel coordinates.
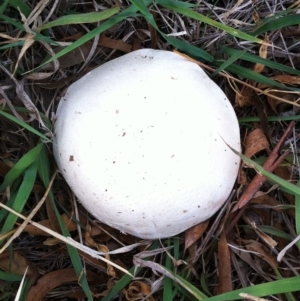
(142, 142)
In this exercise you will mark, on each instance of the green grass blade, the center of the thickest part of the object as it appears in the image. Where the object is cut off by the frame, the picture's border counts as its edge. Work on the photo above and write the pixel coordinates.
(167, 288)
(13, 22)
(24, 110)
(3, 7)
(11, 45)
(82, 18)
(177, 7)
(271, 230)
(249, 74)
(204, 285)
(21, 5)
(24, 125)
(21, 166)
(9, 277)
(188, 48)
(44, 173)
(275, 287)
(142, 7)
(180, 45)
(289, 295)
(234, 57)
(270, 119)
(275, 24)
(130, 11)
(191, 289)
(126, 279)
(256, 59)
(22, 196)
(293, 189)
(178, 3)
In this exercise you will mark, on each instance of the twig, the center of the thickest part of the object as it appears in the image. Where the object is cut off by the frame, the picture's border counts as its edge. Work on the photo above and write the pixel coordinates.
(270, 165)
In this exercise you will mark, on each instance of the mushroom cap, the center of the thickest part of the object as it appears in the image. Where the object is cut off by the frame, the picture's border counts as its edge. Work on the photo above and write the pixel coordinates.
(142, 142)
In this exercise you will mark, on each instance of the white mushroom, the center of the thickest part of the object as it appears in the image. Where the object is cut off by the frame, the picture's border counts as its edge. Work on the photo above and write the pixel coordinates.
(142, 142)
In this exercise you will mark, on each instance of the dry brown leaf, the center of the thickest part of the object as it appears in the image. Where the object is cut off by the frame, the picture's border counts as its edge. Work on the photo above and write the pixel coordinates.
(284, 173)
(261, 251)
(71, 226)
(282, 243)
(287, 79)
(153, 32)
(52, 280)
(242, 178)
(138, 290)
(52, 216)
(255, 142)
(278, 105)
(4, 168)
(246, 257)
(17, 264)
(224, 265)
(244, 97)
(51, 241)
(74, 57)
(290, 32)
(263, 51)
(136, 44)
(265, 237)
(29, 40)
(276, 205)
(101, 265)
(39, 75)
(57, 84)
(194, 233)
(114, 44)
(255, 16)
(101, 248)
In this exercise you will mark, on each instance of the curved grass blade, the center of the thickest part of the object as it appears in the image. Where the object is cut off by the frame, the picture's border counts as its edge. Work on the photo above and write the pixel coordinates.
(270, 119)
(167, 288)
(249, 74)
(3, 7)
(13, 22)
(82, 18)
(278, 23)
(21, 166)
(181, 45)
(234, 57)
(44, 173)
(256, 59)
(130, 11)
(24, 125)
(270, 230)
(293, 189)
(22, 195)
(11, 45)
(192, 50)
(9, 277)
(176, 6)
(275, 287)
(195, 292)
(21, 5)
